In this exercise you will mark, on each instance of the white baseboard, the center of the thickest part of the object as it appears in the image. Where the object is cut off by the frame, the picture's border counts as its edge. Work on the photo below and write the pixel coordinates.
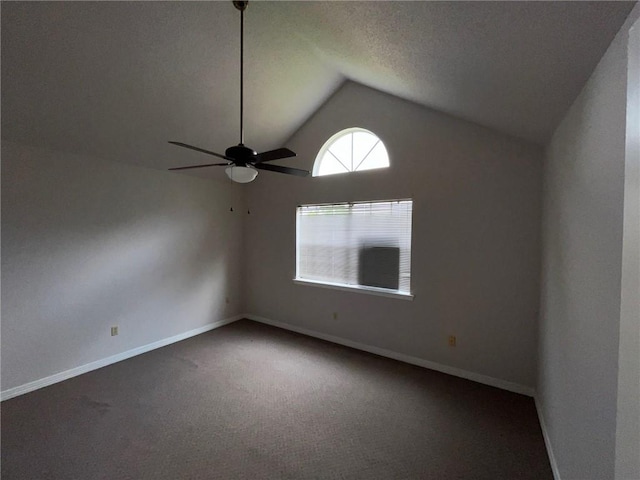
(74, 372)
(457, 372)
(547, 440)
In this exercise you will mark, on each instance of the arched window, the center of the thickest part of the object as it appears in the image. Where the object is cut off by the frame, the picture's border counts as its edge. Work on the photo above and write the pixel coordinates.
(351, 150)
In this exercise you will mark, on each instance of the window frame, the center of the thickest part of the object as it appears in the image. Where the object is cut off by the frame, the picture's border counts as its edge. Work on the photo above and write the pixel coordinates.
(334, 138)
(366, 289)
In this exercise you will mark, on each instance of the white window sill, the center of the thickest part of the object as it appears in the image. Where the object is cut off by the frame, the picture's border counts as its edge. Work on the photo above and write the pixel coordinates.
(381, 292)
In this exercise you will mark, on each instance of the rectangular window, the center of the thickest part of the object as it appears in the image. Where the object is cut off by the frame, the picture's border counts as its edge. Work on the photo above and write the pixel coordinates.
(364, 245)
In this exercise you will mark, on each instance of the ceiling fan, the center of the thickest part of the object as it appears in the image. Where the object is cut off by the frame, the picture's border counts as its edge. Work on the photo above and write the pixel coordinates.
(243, 162)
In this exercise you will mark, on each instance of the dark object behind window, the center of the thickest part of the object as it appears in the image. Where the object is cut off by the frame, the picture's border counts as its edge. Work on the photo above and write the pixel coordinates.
(379, 267)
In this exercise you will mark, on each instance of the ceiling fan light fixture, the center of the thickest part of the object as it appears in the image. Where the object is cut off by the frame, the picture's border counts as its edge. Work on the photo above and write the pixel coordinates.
(241, 174)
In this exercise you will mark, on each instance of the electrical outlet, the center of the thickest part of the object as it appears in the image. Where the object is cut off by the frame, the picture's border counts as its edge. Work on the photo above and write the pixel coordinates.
(335, 315)
(114, 331)
(452, 340)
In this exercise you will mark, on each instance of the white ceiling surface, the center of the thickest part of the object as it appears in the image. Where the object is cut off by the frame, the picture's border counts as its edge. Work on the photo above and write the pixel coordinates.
(118, 79)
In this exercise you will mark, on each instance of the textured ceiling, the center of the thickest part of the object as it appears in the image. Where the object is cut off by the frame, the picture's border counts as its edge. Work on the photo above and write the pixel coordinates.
(118, 79)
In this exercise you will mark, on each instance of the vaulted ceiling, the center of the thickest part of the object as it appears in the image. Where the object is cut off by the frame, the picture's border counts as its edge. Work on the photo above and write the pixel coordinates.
(116, 80)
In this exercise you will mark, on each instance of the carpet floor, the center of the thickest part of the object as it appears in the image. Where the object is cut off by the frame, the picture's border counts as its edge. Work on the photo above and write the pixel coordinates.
(249, 401)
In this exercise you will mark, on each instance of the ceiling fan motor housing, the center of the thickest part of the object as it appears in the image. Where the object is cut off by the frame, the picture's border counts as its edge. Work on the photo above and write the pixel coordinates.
(241, 155)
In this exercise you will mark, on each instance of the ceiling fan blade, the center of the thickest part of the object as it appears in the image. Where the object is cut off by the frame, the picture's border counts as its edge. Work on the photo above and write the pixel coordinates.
(281, 169)
(274, 155)
(200, 166)
(198, 149)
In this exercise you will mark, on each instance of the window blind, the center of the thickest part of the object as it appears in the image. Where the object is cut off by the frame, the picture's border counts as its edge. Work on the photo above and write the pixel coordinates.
(366, 244)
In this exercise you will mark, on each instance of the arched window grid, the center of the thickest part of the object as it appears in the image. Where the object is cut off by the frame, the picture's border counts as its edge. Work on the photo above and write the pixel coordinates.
(369, 153)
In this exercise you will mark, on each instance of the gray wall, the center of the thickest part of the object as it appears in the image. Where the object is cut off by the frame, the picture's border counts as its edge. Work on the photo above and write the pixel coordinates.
(87, 244)
(475, 259)
(584, 181)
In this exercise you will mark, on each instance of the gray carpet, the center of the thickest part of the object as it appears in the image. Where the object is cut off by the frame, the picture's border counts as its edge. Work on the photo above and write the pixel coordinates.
(248, 401)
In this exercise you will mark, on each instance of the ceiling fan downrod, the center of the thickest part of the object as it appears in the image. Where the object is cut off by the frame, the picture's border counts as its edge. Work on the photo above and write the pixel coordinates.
(242, 6)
